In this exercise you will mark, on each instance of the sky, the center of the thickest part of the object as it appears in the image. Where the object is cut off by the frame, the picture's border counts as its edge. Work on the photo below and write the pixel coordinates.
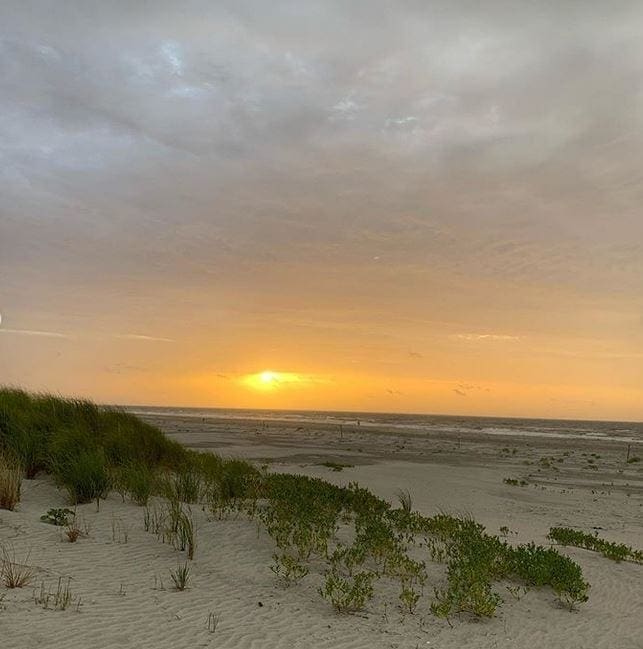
(379, 206)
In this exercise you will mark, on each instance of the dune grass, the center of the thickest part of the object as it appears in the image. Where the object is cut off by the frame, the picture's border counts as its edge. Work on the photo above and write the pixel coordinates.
(90, 450)
(14, 573)
(81, 444)
(10, 481)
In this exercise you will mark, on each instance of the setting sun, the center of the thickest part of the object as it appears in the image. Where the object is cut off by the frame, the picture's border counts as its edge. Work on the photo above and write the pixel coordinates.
(269, 380)
(268, 377)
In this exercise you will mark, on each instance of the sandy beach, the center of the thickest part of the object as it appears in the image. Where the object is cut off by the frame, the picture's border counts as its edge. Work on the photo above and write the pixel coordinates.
(123, 595)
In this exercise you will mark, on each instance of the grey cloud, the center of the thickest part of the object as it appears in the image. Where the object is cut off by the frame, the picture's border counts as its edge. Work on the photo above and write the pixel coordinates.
(224, 145)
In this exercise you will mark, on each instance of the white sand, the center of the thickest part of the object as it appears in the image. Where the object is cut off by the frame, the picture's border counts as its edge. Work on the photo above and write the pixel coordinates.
(123, 606)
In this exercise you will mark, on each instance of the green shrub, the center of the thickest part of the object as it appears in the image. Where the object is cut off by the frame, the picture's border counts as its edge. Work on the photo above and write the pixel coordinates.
(288, 568)
(58, 517)
(348, 594)
(539, 566)
(615, 551)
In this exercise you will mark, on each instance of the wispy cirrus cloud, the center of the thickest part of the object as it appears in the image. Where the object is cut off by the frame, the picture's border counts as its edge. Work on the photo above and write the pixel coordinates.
(35, 332)
(472, 337)
(145, 338)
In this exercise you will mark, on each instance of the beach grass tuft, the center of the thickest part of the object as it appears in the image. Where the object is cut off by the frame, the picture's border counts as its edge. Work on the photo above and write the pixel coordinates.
(181, 576)
(10, 481)
(14, 573)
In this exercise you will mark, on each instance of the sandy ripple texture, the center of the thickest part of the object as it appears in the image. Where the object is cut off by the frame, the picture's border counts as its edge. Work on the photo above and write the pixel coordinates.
(127, 599)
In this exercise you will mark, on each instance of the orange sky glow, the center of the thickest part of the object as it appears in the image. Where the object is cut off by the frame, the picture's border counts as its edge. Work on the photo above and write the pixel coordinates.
(319, 209)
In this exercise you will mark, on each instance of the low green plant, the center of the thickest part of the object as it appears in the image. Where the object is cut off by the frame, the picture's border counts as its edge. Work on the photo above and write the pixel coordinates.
(538, 566)
(288, 568)
(409, 597)
(58, 600)
(336, 466)
(348, 594)
(615, 551)
(58, 516)
(514, 482)
(181, 576)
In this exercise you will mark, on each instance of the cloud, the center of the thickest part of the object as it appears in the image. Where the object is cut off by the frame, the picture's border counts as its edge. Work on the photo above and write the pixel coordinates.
(144, 338)
(238, 165)
(124, 368)
(464, 389)
(486, 336)
(31, 332)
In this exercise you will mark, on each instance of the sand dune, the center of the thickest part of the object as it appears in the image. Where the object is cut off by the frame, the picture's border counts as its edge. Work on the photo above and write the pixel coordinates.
(127, 599)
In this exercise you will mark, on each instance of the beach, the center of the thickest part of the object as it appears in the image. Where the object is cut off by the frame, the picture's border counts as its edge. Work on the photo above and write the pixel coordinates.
(120, 574)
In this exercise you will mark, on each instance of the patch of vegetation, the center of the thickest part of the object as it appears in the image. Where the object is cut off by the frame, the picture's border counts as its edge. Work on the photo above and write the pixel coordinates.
(348, 593)
(336, 466)
(91, 450)
(181, 576)
(59, 517)
(46, 433)
(10, 481)
(514, 482)
(634, 459)
(83, 473)
(135, 479)
(14, 573)
(58, 600)
(288, 568)
(76, 528)
(172, 523)
(615, 551)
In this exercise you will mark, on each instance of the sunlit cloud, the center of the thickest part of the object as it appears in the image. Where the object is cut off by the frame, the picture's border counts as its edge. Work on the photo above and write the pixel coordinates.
(34, 332)
(143, 337)
(485, 336)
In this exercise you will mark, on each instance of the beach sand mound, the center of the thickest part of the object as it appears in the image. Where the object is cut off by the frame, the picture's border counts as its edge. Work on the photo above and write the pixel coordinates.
(123, 595)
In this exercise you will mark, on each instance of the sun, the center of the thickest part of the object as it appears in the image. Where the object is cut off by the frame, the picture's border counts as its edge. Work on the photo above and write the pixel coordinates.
(269, 380)
(267, 377)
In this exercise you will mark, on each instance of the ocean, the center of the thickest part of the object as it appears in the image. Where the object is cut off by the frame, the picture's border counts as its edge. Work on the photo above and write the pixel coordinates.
(629, 432)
